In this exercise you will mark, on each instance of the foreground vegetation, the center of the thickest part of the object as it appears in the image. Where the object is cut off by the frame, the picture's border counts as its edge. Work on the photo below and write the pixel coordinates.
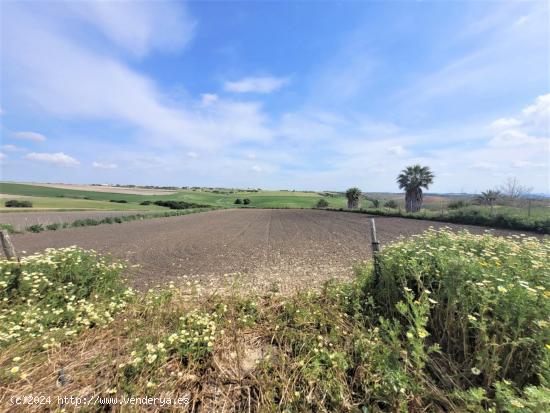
(446, 322)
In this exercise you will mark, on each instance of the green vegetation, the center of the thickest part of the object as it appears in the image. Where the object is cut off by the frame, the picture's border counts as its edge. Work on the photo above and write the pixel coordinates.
(76, 199)
(15, 203)
(114, 220)
(390, 204)
(449, 322)
(322, 203)
(179, 204)
(51, 296)
(470, 216)
(7, 227)
(118, 201)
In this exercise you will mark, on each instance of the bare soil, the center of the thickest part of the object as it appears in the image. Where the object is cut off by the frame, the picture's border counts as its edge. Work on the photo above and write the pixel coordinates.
(263, 250)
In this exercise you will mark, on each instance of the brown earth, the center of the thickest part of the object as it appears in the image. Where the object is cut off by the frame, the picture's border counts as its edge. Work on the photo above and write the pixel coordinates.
(279, 250)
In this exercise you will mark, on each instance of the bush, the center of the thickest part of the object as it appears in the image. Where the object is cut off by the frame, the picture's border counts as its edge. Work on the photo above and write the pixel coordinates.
(16, 203)
(58, 299)
(246, 201)
(35, 228)
(479, 301)
(390, 203)
(7, 227)
(322, 203)
(457, 204)
(145, 203)
(54, 227)
(238, 201)
(119, 201)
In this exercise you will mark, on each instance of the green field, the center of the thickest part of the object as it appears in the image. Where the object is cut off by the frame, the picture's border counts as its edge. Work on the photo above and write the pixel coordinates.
(70, 198)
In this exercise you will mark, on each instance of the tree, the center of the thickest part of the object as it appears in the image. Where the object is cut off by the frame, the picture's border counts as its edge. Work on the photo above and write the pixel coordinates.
(238, 201)
(353, 195)
(489, 198)
(246, 201)
(412, 179)
(390, 203)
(375, 202)
(515, 192)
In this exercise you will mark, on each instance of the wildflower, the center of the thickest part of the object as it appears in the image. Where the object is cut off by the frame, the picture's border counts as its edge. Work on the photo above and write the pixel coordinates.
(14, 370)
(476, 371)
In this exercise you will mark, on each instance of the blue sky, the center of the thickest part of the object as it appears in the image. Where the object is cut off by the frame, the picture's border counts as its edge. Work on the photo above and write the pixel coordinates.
(304, 95)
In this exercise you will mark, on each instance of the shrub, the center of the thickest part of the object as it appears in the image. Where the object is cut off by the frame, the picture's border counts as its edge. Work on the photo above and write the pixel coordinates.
(16, 203)
(238, 201)
(145, 203)
(7, 227)
(35, 228)
(119, 201)
(54, 227)
(41, 298)
(375, 203)
(390, 203)
(457, 204)
(482, 301)
(246, 201)
(322, 203)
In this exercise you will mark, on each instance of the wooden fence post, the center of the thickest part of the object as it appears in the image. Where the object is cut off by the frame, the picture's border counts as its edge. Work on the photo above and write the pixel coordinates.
(7, 246)
(375, 250)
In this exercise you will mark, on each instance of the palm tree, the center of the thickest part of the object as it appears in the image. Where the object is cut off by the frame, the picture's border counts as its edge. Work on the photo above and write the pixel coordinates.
(353, 195)
(412, 179)
(489, 197)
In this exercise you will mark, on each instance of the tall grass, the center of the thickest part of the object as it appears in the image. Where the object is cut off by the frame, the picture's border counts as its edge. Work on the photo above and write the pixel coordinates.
(450, 322)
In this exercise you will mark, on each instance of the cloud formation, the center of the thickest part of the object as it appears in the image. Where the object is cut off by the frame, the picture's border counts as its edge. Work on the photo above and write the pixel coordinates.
(58, 158)
(104, 165)
(265, 84)
(30, 136)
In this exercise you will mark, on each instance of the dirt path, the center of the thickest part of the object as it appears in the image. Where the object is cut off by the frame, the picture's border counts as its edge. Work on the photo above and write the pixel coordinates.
(271, 249)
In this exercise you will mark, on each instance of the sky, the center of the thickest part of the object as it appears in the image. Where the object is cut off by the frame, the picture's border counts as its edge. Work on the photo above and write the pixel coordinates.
(290, 95)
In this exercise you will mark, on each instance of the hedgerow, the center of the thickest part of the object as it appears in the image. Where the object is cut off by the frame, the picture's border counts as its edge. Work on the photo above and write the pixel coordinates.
(540, 225)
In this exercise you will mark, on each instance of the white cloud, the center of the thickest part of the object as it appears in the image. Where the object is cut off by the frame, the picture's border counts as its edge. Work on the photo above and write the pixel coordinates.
(2, 156)
(505, 123)
(104, 165)
(257, 168)
(208, 98)
(397, 150)
(484, 166)
(30, 136)
(139, 27)
(265, 84)
(528, 164)
(13, 148)
(192, 154)
(532, 126)
(58, 158)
